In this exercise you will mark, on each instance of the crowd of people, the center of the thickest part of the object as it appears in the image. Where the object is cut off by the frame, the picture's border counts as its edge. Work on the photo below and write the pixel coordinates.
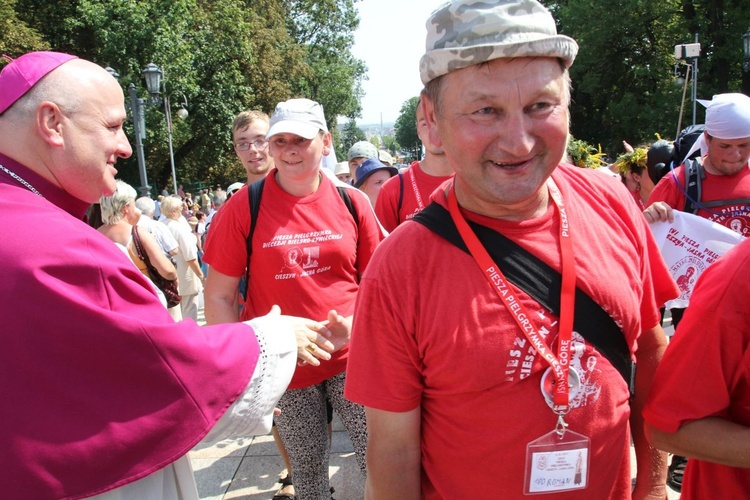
(491, 309)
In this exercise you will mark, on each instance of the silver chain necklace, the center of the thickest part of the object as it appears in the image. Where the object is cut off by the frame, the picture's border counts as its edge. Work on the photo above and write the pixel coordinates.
(21, 180)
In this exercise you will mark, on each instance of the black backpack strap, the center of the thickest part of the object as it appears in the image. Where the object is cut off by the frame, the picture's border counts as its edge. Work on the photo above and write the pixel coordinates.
(543, 284)
(721, 203)
(254, 194)
(693, 176)
(400, 196)
(344, 193)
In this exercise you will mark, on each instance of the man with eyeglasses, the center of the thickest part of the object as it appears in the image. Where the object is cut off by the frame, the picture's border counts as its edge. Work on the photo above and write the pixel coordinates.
(249, 136)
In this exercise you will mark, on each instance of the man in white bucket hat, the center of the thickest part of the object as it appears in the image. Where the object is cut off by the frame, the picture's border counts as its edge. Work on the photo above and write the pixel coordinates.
(469, 378)
(722, 170)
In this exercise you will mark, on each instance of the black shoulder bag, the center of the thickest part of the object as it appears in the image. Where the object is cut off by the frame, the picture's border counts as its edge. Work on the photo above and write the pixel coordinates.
(543, 284)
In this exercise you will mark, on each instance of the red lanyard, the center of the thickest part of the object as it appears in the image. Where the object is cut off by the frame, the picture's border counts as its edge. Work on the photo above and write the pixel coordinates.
(416, 189)
(560, 363)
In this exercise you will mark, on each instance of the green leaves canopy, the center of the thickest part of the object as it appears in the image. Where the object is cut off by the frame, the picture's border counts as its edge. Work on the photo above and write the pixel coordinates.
(406, 128)
(225, 56)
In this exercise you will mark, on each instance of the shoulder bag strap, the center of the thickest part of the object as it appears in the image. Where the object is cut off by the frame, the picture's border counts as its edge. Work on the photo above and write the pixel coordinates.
(141, 253)
(693, 177)
(543, 284)
(254, 194)
(344, 194)
(400, 196)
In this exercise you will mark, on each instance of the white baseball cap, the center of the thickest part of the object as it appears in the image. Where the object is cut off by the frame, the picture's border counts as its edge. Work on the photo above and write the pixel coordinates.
(302, 117)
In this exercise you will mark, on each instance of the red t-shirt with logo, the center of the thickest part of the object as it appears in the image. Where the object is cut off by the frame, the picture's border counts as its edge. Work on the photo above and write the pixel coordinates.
(713, 187)
(308, 254)
(446, 343)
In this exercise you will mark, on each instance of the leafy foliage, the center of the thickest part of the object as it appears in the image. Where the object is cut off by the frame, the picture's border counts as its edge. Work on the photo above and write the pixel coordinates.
(391, 144)
(350, 134)
(230, 55)
(16, 37)
(634, 161)
(324, 29)
(406, 128)
(583, 154)
(224, 56)
(623, 77)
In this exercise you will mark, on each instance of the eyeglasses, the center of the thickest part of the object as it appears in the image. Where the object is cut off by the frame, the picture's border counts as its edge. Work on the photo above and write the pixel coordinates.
(257, 144)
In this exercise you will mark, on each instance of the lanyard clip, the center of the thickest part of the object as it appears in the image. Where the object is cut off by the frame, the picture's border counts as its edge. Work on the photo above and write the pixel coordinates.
(561, 425)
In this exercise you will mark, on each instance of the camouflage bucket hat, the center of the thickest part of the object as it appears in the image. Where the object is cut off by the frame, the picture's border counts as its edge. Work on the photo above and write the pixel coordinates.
(467, 32)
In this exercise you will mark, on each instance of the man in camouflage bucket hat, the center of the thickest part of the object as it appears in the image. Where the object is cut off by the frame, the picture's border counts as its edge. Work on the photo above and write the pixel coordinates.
(460, 378)
(462, 34)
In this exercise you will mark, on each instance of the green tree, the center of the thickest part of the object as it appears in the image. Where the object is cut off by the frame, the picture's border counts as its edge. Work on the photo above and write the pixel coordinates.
(350, 133)
(225, 56)
(391, 144)
(623, 78)
(325, 30)
(16, 37)
(406, 128)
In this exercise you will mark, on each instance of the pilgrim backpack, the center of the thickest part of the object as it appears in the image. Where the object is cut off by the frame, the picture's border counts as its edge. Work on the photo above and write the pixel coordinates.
(694, 175)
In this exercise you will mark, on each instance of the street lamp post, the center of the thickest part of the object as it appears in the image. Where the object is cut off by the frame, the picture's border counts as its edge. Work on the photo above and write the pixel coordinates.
(746, 62)
(154, 81)
(139, 128)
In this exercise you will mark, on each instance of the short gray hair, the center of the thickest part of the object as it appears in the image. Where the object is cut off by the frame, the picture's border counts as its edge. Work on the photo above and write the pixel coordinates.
(171, 204)
(220, 197)
(112, 205)
(146, 205)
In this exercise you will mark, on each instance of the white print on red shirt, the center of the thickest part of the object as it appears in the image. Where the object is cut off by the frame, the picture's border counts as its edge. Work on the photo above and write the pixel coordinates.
(300, 261)
(522, 356)
(734, 217)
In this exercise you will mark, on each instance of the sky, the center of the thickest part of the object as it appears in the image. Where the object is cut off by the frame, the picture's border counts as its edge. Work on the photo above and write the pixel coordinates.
(390, 40)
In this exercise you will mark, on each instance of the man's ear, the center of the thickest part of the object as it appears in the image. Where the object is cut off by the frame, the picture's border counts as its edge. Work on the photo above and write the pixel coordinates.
(430, 118)
(49, 123)
(327, 143)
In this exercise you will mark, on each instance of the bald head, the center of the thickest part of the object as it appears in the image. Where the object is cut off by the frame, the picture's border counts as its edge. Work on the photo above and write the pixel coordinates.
(68, 129)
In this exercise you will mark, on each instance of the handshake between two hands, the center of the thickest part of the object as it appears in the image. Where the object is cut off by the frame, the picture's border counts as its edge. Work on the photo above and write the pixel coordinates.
(317, 340)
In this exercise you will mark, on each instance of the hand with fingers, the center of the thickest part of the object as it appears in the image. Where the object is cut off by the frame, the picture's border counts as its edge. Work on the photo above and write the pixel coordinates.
(340, 328)
(312, 338)
(312, 341)
(659, 211)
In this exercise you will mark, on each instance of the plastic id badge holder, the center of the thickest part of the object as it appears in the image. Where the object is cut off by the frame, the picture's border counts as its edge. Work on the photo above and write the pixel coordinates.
(556, 463)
